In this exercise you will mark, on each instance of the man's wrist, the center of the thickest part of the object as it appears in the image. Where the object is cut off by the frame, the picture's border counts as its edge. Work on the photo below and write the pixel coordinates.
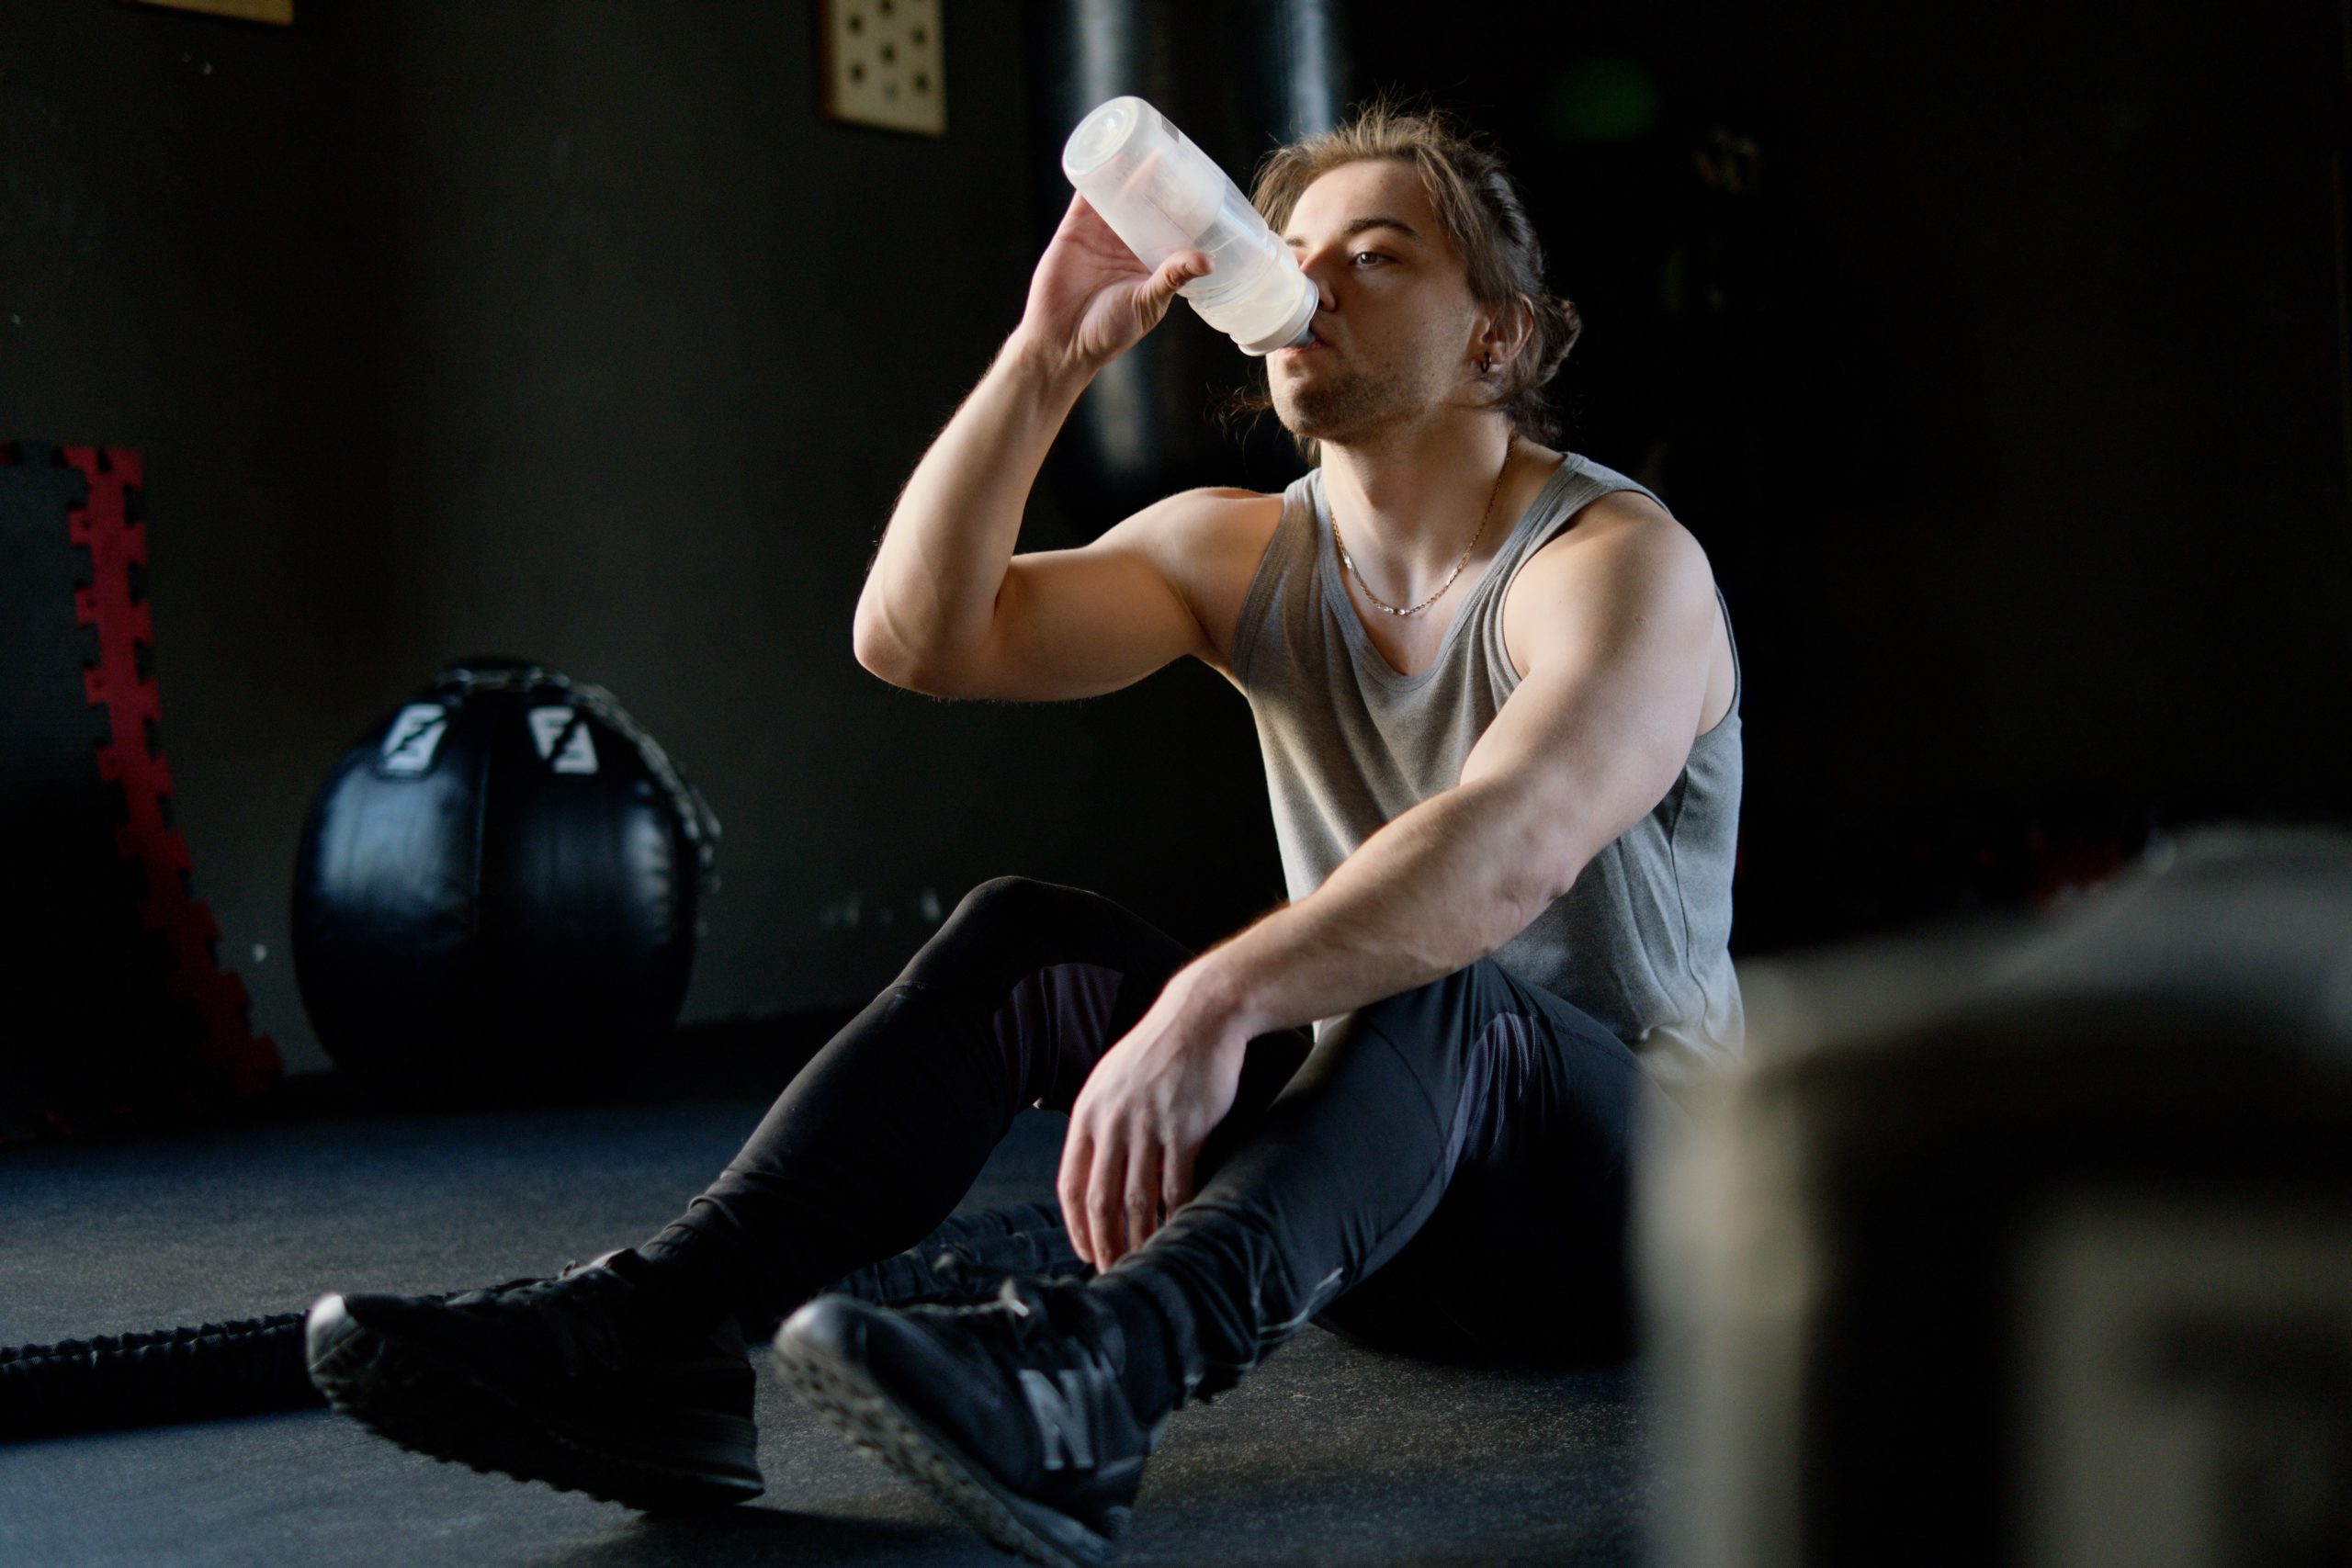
(1044, 363)
(1218, 986)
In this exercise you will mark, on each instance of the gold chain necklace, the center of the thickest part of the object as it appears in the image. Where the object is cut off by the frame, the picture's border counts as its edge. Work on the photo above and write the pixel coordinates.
(1349, 561)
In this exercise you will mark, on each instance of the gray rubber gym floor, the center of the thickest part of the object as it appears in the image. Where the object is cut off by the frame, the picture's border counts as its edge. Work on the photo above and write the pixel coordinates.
(1329, 1454)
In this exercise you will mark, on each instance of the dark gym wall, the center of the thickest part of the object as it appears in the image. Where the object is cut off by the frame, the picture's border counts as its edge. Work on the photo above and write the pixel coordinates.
(2008, 401)
(570, 329)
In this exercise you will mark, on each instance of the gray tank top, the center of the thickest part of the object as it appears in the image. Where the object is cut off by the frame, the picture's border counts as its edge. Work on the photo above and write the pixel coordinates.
(1640, 942)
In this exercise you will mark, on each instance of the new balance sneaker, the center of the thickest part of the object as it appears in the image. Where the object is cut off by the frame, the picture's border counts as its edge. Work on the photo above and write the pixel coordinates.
(1011, 1414)
(561, 1381)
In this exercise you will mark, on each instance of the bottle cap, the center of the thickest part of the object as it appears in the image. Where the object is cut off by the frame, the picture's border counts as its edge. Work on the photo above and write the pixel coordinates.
(1100, 137)
(1294, 331)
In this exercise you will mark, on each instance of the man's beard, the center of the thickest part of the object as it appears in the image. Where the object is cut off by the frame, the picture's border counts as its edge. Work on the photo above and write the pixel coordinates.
(1347, 403)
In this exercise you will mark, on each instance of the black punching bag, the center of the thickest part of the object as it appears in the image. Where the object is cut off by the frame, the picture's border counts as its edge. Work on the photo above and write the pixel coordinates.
(1240, 81)
(496, 893)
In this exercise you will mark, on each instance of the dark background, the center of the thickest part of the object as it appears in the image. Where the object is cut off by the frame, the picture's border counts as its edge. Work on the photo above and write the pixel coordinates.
(1996, 353)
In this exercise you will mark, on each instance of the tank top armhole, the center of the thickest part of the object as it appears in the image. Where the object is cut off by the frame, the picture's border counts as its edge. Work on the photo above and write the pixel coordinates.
(1573, 470)
(1498, 645)
(1552, 529)
(1261, 592)
(1738, 670)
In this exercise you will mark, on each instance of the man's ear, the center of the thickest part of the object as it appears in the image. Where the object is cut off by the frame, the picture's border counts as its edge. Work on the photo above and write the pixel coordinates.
(1506, 332)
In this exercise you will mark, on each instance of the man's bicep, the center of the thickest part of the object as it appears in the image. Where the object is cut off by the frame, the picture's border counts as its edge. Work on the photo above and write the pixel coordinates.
(1618, 641)
(1078, 623)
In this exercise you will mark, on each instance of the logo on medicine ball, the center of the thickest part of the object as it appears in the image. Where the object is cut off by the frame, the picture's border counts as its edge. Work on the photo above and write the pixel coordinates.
(561, 736)
(414, 735)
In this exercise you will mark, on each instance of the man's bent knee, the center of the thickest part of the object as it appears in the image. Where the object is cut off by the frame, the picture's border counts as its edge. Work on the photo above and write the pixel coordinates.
(1016, 901)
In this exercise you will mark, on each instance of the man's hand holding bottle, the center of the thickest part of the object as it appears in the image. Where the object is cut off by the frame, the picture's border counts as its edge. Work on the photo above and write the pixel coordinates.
(1091, 300)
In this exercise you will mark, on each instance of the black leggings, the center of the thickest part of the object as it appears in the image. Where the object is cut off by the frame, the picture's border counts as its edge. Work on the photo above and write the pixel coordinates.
(1445, 1172)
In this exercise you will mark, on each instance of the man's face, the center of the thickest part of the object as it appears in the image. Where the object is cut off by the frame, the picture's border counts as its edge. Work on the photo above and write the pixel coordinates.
(1396, 334)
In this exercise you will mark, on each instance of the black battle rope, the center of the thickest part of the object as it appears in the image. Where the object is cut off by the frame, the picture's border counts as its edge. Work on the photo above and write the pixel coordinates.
(255, 1365)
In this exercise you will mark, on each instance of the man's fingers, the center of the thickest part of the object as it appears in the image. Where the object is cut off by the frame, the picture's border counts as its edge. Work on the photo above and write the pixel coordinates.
(1070, 1187)
(1176, 1178)
(1141, 1206)
(1174, 274)
(1106, 1176)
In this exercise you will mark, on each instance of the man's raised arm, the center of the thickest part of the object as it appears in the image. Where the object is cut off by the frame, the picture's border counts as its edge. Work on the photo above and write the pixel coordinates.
(931, 596)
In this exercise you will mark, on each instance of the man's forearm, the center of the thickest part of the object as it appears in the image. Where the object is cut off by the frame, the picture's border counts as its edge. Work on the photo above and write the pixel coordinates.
(933, 583)
(1436, 889)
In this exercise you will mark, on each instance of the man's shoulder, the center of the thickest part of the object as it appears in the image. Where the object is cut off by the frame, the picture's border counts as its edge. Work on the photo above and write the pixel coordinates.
(1623, 509)
(1621, 549)
(1617, 532)
(1223, 502)
(1213, 520)
(1208, 543)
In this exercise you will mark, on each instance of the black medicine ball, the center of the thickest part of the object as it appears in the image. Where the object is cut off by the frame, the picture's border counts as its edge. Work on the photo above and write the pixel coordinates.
(497, 894)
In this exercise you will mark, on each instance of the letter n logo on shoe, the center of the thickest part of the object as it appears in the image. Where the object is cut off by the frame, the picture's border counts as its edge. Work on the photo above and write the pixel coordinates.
(1061, 1413)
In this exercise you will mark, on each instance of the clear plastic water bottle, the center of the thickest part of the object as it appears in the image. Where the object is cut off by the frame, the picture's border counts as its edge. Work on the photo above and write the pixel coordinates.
(1161, 194)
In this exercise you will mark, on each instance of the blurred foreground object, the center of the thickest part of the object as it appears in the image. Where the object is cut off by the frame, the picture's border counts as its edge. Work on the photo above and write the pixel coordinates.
(2053, 1267)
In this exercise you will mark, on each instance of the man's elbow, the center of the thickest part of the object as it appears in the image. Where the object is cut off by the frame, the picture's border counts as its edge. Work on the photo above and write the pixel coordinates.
(1537, 856)
(1547, 890)
(882, 656)
(1553, 864)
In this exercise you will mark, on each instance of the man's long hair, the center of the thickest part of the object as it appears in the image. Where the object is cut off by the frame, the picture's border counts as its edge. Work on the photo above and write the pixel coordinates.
(1480, 207)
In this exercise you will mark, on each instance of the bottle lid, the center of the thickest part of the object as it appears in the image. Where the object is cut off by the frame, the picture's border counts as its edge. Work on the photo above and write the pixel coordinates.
(1295, 330)
(1100, 137)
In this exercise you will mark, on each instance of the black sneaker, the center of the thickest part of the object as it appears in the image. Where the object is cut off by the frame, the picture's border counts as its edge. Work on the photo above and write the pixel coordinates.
(1011, 1413)
(545, 1381)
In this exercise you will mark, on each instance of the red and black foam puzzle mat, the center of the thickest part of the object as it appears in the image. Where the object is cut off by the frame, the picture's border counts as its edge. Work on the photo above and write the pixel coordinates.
(114, 1009)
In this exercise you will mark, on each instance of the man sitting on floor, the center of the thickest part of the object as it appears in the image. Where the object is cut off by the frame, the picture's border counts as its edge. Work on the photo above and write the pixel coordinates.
(1497, 697)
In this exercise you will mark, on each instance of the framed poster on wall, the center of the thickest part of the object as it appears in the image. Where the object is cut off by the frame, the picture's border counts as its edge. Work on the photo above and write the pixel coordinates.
(278, 11)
